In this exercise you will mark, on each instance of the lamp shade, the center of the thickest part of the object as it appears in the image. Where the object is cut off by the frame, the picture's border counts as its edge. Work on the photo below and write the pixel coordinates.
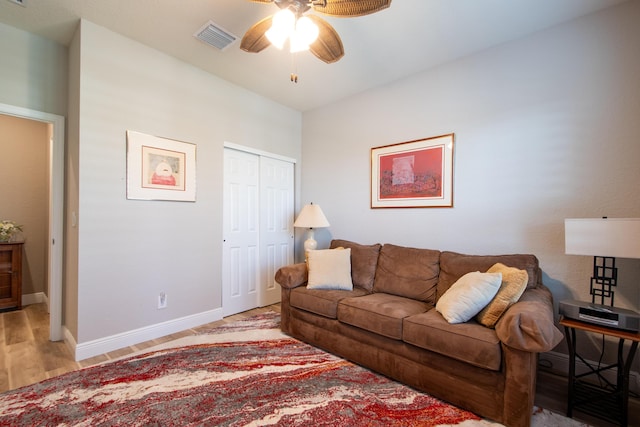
(311, 216)
(608, 237)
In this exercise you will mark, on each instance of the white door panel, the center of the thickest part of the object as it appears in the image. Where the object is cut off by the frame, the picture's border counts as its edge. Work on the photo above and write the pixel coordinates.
(276, 237)
(258, 228)
(241, 232)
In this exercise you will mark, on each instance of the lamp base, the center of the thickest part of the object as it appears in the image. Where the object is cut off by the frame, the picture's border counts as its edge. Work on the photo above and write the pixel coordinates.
(605, 276)
(310, 244)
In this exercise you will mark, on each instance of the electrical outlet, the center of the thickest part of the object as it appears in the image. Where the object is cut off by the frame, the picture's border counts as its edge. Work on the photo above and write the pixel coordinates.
(162, 300)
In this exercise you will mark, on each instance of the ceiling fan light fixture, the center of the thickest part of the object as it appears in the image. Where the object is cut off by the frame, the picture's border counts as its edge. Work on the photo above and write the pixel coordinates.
(305, 33)
(282, 27)
(328, 46)
(297, 45)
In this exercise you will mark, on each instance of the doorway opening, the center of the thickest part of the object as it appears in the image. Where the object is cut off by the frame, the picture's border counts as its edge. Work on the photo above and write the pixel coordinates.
(55, 239)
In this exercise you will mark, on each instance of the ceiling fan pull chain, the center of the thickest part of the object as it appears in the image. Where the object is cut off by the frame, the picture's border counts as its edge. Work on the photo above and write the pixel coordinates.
(294, 66)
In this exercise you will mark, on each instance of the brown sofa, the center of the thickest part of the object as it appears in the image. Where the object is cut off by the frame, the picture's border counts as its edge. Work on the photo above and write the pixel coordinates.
(388, 323)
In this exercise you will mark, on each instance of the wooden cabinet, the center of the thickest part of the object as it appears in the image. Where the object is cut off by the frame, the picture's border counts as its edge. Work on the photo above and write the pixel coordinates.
(10, 276)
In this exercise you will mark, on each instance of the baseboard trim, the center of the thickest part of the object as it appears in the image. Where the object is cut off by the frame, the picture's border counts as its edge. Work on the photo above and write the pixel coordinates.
(36, 298)
(69, 340)
(559, 363)
(104, 345)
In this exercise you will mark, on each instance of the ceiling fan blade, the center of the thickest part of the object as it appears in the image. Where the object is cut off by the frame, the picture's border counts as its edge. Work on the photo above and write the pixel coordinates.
(328, 46)
(349, 8)
(254, 39)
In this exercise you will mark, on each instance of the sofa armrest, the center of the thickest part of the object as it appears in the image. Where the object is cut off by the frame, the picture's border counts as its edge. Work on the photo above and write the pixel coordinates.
(292, 276)
(528, 325)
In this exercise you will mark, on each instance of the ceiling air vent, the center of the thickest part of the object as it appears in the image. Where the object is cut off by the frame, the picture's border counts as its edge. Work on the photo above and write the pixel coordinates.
(214, 35)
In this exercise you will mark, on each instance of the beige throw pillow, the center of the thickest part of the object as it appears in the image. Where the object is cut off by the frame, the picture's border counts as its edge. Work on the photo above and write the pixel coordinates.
(468, 295)
(514, 283)
(329, 269)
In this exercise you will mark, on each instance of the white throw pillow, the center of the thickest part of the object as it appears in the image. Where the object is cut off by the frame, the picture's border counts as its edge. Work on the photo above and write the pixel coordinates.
(329, 269)
(468, 296)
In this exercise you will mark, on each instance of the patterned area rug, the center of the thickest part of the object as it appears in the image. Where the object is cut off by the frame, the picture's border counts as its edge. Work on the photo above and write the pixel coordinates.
(246, 374)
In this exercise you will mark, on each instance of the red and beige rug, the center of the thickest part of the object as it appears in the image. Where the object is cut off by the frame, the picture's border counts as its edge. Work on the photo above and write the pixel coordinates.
(242, 374)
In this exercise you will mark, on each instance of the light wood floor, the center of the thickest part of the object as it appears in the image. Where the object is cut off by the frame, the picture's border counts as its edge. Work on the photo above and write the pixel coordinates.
(27, 356)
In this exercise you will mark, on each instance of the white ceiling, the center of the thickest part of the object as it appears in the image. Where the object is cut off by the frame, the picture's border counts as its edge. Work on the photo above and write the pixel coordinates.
(408, 37)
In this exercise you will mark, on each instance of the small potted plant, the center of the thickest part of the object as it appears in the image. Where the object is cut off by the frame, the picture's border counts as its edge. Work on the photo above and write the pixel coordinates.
(8, 230)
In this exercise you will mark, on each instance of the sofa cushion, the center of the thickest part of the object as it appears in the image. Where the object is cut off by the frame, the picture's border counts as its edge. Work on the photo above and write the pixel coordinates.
(514, 282)
(364, 259)
(321, 302)
(329, 269)
(470, 294)
(408, 272)
(454, 265)
(468, 342)
(379, 313)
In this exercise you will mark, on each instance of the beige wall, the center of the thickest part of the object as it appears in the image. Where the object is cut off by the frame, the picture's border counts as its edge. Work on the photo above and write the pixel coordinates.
(24, 177)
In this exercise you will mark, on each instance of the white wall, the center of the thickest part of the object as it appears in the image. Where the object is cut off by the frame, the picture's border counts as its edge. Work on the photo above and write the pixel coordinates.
(34, 71)
(72, 166)
(546, 128)
(131, 250)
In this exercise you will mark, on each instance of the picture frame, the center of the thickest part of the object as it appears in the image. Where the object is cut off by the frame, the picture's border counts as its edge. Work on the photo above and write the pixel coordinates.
(413, 174)
(160, 168)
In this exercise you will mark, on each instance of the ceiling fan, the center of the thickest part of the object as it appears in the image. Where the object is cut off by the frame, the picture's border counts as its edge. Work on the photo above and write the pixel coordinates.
(306, 31)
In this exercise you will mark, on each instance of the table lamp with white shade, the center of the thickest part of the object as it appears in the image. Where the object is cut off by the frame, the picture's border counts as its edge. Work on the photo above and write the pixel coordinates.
(311, 216)
(604, 239)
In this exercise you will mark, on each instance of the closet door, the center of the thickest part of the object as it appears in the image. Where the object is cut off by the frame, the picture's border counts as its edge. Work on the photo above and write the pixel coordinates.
(258, 228)
(276, 224)
(241, 231)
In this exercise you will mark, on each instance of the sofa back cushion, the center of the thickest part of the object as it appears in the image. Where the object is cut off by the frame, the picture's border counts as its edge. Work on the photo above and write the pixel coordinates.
(454, 265)
(408, 272)
(364, 259)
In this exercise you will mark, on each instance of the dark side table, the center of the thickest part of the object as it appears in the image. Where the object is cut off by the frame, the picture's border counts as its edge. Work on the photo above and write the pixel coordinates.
(602, 398)
(10, 275)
